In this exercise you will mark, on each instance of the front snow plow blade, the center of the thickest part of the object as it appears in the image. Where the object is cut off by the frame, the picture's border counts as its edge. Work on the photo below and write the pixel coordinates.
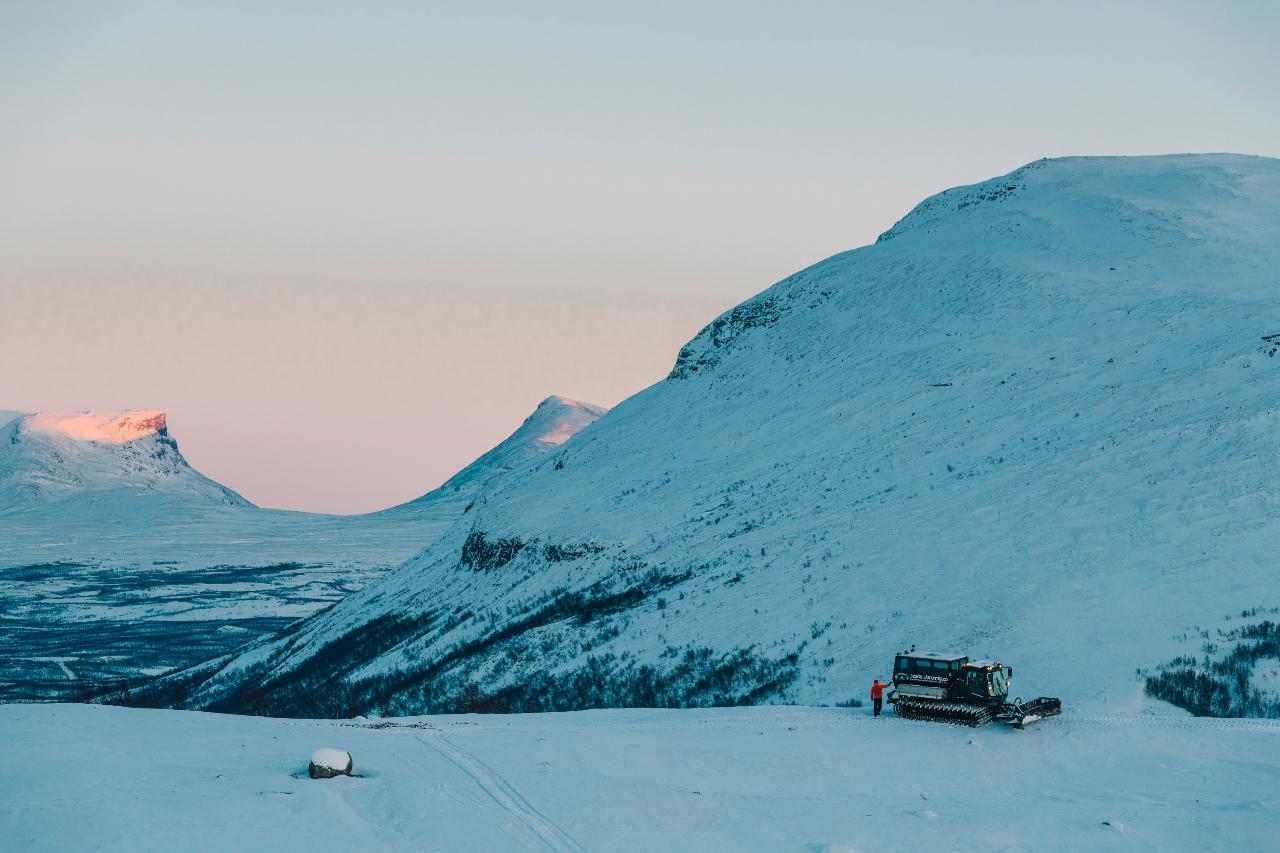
(1022, 714)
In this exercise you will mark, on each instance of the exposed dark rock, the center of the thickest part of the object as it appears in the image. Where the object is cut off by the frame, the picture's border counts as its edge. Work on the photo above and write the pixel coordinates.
(479, 553)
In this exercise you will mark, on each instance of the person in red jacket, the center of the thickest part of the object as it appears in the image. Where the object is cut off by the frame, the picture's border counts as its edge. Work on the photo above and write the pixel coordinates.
(877, 695)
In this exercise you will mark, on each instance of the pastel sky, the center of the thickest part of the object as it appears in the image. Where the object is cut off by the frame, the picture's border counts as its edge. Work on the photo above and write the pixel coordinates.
(349, 247)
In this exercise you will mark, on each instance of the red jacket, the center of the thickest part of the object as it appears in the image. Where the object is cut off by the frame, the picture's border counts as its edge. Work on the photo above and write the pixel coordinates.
(877, 689)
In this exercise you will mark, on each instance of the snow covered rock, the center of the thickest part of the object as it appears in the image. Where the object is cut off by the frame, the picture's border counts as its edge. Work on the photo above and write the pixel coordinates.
(328, 762)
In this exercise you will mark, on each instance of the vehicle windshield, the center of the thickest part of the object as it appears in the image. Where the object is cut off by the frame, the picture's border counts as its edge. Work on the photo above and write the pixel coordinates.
(999, 682)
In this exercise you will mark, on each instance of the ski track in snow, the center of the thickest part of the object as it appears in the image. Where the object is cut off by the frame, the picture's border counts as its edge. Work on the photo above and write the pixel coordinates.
(502, 792)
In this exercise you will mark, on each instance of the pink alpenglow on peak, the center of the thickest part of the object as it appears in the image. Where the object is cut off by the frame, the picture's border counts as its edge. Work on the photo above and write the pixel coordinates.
(555, 421)
(107, 427)
(564, 418)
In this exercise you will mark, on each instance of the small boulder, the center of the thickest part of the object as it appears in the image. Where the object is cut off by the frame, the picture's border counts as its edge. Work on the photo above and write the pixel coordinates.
(327, 763)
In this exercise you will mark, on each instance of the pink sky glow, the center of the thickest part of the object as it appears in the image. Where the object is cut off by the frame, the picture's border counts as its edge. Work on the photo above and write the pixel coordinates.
(348, 249)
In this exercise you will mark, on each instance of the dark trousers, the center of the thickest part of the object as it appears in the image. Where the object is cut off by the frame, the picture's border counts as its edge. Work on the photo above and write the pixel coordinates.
(875, 705)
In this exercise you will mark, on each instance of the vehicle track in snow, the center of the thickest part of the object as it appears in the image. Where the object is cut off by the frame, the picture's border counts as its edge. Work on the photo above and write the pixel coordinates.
(1171, 721)
(62, 664)
(504, 794)
(1076, 722)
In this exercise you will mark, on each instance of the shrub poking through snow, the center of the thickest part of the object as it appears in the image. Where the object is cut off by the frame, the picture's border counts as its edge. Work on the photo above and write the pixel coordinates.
(328, 762)
(1228, 686)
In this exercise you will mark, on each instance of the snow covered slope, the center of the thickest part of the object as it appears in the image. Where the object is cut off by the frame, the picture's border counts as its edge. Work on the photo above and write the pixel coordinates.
(117, 558)
(1035, 421)
(811, 780)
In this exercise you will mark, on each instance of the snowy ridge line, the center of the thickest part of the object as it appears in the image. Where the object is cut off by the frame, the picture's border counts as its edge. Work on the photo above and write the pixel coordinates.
(504, 794)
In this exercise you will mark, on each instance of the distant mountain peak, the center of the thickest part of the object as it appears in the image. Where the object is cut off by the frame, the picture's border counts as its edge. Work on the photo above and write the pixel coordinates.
(568, 402)
(110, 427)
(54, 456)
(556, 420)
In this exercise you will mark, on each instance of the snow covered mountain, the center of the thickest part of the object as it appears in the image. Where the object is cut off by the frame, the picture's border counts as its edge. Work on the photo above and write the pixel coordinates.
(555, 421)
(117, 558)
(101, 457)
(1035, 421)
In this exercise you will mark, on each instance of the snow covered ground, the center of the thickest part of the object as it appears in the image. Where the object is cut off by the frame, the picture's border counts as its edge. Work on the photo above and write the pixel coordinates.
(768, 778)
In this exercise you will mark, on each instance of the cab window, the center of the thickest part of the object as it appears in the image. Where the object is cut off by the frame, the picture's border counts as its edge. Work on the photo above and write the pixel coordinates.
(999, 684)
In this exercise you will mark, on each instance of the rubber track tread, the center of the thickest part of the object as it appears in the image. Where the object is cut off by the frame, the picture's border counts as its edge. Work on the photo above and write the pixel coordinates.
(954, 713)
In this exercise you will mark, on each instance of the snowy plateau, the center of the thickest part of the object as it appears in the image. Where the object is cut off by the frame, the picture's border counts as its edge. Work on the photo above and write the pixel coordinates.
(1036, 421)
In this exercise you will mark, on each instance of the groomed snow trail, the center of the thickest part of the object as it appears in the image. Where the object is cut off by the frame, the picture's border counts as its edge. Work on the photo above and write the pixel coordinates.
(1073, 721)
(502, 792)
